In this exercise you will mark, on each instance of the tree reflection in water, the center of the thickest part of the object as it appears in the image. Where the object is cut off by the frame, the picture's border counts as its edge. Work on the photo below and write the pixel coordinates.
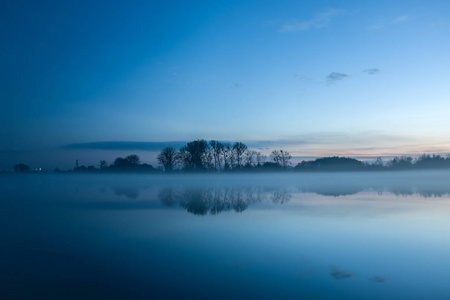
(281, 196)
(127, 192)
(214, 200)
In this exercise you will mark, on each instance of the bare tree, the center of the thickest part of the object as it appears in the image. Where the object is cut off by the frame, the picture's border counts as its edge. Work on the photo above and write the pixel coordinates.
(239, 150)
(250, 157)
(168, 158)
(217, 149)
(194, 155)
(260, 159)
(281, 158)
(228, 157)
(378, 162)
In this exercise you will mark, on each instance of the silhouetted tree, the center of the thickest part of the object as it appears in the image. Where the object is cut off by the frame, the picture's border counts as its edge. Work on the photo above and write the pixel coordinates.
(21, 168)
(281, 157)
(81, 168)
(250, 158)
(427, 161)
(239, 150)
(120, 163)
(331, 164)
(217, 149)
(133, 160)
(193, 155)
(168, 158)
(128, 163)
(260, 159)
(208, 158)
(103, 164)
(377, 165)
(379, 162)
(228, 156)
(401, 163)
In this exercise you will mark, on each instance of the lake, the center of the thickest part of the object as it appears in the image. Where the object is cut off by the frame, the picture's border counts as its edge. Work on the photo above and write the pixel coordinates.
(255, 236)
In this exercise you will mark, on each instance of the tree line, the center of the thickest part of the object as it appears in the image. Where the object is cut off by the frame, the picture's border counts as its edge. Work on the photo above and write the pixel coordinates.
(216, 156)
(335, 163)
(196, 156)
(221, 157)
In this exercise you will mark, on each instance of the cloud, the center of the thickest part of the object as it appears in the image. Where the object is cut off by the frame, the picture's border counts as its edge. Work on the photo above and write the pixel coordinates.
(335, 76)
(157, 146)
(362, 144)
(339, 274)
(386, 23)
(376, 26)
(303, 79)
(400, 19)
(120, 145)
(318, 21)
(371, 71)
(377, 279)
(438, 23)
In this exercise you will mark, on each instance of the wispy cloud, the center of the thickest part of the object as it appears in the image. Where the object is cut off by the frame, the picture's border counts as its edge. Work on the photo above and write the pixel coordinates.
(318, 21)
(400, 19)
(336, 76)
(386, 23)
(376, 26)
(438, 23)
(121, 145)
(372, 71)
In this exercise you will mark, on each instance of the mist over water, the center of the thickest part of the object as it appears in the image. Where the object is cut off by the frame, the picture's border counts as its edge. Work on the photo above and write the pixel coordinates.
(262, 236)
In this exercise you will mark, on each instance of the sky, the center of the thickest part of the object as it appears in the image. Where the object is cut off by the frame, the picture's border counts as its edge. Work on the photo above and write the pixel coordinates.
(317, 78)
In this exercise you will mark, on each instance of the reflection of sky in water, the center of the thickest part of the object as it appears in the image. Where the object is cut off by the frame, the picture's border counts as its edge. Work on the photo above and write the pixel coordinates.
(108, 234)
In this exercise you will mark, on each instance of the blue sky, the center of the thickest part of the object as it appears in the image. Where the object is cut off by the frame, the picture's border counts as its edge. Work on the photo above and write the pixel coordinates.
(317, 78)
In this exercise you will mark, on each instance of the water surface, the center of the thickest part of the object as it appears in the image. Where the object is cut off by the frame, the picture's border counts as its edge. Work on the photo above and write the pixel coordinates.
(264, 236)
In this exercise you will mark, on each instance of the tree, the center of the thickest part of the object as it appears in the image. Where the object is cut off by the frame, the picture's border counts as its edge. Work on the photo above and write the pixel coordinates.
(129, 162)
(402, 162)
(120, 163)
(193, 155)
(217, 149)
(254, 158)
(250, 157)
(239, 150)
(133, 160)
(334, 163)
(228, 158)
(281, 157)
(168, 158)
(21, 168)
(103, 164)
(260, 159)
(427, 161)
(378, 162)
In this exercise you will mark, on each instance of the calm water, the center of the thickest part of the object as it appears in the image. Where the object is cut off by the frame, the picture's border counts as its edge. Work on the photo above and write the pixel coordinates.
(288, 236)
